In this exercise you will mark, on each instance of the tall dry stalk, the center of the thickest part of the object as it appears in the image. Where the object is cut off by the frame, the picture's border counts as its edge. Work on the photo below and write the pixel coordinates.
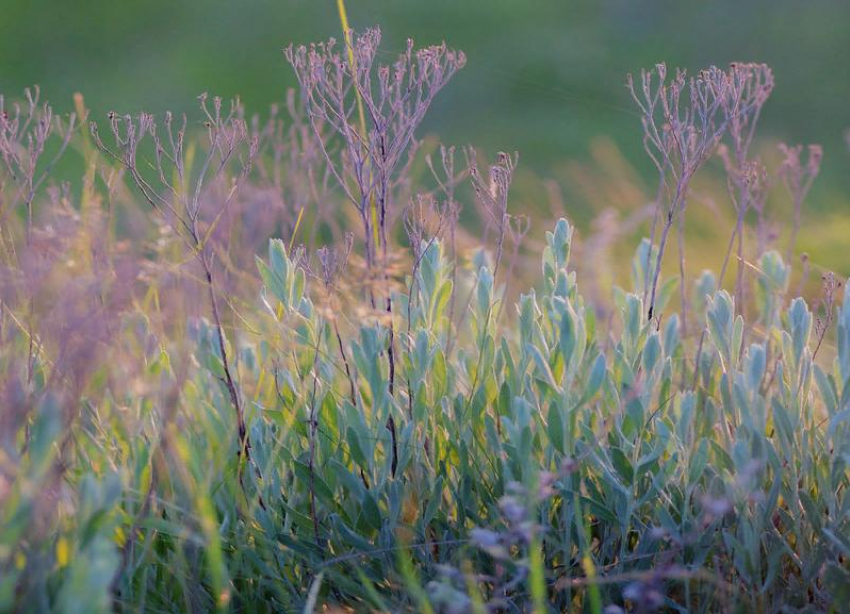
(182, 195)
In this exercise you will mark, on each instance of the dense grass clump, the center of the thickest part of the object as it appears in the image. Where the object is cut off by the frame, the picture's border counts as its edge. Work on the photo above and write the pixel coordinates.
(379, 413)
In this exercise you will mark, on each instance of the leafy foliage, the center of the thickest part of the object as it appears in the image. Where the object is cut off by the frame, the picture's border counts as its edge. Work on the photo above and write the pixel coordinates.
(315, 447)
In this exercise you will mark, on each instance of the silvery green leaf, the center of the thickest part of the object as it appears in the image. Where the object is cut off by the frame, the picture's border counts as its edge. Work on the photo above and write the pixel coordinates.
(755, 366)
(484, 291)
(597, 376)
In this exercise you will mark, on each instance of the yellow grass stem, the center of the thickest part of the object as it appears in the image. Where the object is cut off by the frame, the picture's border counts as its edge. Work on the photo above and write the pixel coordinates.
(346, 32)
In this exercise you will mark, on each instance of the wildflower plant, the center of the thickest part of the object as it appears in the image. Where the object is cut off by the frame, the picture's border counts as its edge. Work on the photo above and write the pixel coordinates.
(181, 434)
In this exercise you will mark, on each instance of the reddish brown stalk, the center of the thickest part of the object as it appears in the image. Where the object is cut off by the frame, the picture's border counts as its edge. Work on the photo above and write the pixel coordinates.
(679, 135)
(181, 206)
(393, 101)
(311, 461)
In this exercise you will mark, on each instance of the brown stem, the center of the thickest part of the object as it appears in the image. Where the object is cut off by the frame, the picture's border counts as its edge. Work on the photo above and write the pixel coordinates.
(391, 360)
(244, 440)
(657, 272)
(311, 462)
(739, 282)
(229, 382)
(353, 388)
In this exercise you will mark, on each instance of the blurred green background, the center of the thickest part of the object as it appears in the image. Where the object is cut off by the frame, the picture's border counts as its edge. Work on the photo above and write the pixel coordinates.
(544, 77)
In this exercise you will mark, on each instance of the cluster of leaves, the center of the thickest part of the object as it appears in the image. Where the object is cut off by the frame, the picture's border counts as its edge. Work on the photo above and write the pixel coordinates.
(180, 433)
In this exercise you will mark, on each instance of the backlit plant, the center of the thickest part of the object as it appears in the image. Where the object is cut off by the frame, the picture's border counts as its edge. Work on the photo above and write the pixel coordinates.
(373, 414)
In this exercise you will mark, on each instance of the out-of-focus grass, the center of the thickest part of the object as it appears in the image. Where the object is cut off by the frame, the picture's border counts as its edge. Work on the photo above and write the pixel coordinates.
(543, 77)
